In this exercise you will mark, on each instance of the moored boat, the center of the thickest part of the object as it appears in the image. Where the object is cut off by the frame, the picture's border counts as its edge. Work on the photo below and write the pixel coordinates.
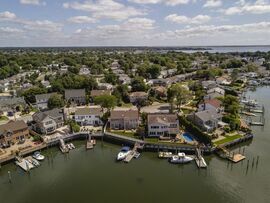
(180, 158)
(123, 153)
(38, 156)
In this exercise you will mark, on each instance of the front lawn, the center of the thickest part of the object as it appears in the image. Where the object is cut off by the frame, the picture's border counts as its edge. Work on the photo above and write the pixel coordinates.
(227, 139)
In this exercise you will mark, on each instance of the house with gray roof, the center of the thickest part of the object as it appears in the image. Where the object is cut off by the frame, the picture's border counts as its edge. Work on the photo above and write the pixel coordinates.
(42, 100)
(47, 122)
(75, 96)
(207, 120)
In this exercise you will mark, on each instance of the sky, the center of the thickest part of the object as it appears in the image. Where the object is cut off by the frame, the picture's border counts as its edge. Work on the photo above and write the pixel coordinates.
(134, 22)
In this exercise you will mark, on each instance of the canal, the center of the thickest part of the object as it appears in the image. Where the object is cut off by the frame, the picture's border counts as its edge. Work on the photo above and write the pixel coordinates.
(94, 176)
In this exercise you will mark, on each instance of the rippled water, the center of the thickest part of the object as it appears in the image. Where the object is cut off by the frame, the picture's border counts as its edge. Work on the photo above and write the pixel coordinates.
(94, 176)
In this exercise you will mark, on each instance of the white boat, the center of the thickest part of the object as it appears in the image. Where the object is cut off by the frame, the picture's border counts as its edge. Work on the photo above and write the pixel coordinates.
(72, 145)
(33, 161)
(180, 158)
(123, 153)
(38, 156)
(69, 146)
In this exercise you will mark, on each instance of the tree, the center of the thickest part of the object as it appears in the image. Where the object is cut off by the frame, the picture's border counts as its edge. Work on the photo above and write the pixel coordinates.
(154, 71)
(138, 84)
(178, 94)
(29, 94)
(56, 101)
(106, 101)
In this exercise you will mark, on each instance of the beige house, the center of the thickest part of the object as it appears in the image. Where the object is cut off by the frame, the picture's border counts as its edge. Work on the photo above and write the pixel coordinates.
(124, 119)
(13, 132)
(162, 125)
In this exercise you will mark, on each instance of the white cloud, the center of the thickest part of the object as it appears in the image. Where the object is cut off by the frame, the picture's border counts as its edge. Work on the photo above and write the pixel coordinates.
(199, 19)
(211, 30)
(129, 30)
(212, 3)
(7, 15)
(108, 9)
(242, 7)
(167, 2)
(33, 2)
(82, 19)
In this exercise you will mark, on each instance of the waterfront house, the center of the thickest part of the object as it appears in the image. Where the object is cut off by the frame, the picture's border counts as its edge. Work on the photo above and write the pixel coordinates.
(42, 100)
(13, 131)
(124, 119)
(48, 121)
(135, 97)
(76, 96)
(207, 120)
(89, 116)
(214, 104)
(162, 125)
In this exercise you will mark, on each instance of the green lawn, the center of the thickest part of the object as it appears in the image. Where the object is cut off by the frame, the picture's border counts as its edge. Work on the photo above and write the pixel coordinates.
(227, 139)
(3, 118)
(124, 133)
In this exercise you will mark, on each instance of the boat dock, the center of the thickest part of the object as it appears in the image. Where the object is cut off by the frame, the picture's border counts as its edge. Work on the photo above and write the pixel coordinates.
(63, 146)
(235, 158)
(24, 164)
(90, 143)
(134, 152)
(199, 159)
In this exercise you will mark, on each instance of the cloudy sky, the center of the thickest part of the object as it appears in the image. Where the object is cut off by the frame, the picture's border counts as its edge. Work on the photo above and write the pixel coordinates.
(134, 22)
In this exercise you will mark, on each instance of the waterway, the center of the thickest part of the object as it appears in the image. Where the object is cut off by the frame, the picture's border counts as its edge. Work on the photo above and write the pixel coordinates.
(94, 176)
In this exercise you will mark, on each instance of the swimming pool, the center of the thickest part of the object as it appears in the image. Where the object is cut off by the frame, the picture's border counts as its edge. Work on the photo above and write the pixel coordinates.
(188, 137)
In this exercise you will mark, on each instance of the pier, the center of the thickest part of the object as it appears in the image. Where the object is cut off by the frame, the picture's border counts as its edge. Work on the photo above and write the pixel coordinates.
(24, 164)
(199, 159)
(134, 152)
(90, 143)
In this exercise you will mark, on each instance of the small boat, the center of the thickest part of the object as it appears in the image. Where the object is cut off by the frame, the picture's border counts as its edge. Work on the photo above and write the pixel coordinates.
(180, 158)
(69, 146)
(72, 146)
(165, 155)
(137, 155)
(123, 153)
(38, 156)
(33, 161)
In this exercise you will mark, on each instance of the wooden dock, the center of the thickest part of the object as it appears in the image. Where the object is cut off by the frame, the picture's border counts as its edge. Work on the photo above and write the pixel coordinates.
(199, 159)
(133, 152)
(236, 158)
(24, 164)
(90, 143)
(63, 146)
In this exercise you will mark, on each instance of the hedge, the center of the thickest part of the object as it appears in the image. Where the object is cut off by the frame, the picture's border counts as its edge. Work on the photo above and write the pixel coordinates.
(193, 129)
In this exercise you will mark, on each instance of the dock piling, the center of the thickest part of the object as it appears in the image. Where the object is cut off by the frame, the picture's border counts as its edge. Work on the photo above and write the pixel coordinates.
(9, 176)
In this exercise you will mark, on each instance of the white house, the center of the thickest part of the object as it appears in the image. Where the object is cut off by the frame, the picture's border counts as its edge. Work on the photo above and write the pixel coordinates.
(89, 116)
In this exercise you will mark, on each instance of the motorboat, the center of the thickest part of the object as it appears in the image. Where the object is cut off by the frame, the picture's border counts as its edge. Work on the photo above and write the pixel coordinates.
(72, 145)
(38, 156)
(165, 155)
(123, 153)
(180, 158)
